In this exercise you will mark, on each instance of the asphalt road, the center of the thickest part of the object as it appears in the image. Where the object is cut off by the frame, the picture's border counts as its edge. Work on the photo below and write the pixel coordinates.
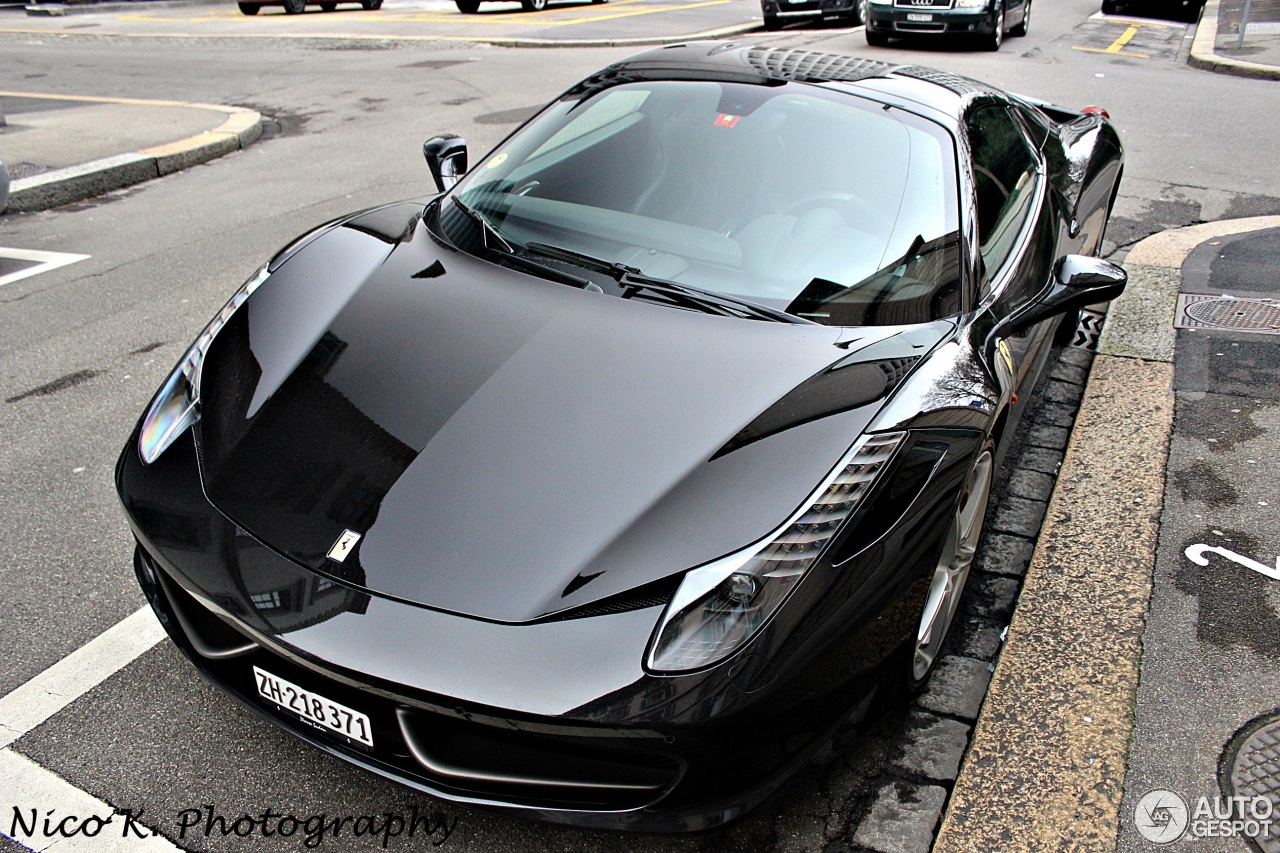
(83, 347)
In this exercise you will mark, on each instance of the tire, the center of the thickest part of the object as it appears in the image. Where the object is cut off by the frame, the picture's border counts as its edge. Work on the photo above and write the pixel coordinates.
(533, 5)
(468, 7)
(859, 14)
(772, 22)
(328, 7)
(877, 39)
(952, 572)
(598, 2)
(249, 8)
(1021, 29)
(371, 5)
(996, 38)
(294, 7)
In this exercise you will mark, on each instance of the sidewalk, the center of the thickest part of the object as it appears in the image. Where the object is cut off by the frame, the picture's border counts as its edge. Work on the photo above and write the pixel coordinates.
(1217, 45)
(62, 148)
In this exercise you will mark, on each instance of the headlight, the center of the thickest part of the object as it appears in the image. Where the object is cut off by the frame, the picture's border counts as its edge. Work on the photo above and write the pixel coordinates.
(720, 606)
(970, 4)
(177, 406)
(880, 2)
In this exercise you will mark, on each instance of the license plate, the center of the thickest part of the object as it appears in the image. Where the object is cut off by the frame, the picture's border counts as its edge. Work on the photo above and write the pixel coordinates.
(918, 17)
(314, 708)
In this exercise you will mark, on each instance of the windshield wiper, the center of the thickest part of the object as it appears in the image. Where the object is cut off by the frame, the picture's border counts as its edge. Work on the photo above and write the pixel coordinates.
(487, 229)
(633, 278)
(508, 252)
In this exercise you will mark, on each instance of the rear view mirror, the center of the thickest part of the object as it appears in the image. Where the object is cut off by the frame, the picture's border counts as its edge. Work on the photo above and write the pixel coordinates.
(447, 158)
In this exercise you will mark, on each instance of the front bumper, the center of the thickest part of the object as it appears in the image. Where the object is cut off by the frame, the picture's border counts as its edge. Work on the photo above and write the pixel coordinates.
(897, 21)
(808, 8)
(556, 721)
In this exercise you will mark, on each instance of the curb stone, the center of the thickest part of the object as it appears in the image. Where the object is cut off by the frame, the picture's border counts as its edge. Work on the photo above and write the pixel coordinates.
(1203, 53)
(241, 128)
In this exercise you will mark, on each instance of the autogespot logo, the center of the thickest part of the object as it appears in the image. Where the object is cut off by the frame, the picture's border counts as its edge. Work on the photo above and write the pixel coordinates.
(1161, 817)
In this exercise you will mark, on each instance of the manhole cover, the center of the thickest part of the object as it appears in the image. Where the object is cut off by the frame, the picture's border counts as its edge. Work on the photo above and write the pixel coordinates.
(1255, 772)
(1229, 313)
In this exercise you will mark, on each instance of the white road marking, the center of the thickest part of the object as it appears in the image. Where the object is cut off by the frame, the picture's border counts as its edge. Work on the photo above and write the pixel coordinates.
(44, 262)
(1196, 554)
(79, 672)
(26, 787)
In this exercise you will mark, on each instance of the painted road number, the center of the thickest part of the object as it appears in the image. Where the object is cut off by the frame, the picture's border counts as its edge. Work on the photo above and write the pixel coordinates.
(1197, 554)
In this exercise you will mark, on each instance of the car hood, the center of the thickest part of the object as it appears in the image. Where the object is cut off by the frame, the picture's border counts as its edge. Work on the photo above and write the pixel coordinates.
(508, 447)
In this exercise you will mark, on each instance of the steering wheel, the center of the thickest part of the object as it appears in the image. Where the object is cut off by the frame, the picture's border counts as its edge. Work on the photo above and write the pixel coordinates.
(857, 212)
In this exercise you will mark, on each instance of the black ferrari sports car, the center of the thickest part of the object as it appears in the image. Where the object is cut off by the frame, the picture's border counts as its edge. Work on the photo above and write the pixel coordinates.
(604, 486)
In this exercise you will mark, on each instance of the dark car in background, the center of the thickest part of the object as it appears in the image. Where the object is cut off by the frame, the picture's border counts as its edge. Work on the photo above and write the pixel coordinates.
(608, 485)
(985, 21)
(779, 12)
(297, 7)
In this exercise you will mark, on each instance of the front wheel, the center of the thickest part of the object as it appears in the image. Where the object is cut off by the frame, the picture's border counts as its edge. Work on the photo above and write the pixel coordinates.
(1021, 29)
(294, 7)
(371, 5)
(249, 8)
(533, 5)
(993, 41)
(468, 7)
(877, 39)
(952, 571)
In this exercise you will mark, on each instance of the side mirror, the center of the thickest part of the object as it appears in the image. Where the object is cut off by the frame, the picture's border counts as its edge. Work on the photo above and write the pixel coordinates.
(1078, 280)
(447, 158)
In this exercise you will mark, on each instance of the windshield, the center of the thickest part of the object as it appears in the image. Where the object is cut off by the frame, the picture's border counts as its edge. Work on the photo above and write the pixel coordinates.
(794, 197)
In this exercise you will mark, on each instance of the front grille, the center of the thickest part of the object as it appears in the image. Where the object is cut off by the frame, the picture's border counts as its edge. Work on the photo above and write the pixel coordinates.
(579, 772)
(923, 4)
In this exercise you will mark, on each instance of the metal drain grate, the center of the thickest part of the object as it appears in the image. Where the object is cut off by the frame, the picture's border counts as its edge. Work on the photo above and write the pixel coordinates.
(1228, 313)
(1255, 772)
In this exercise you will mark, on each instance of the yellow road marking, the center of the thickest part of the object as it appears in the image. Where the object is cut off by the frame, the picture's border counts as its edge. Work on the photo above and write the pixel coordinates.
(1131, 30)
(105, 100)
(525, 18)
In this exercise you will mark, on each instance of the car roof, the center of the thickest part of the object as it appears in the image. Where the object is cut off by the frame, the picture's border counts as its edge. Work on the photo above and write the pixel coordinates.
(943, 91)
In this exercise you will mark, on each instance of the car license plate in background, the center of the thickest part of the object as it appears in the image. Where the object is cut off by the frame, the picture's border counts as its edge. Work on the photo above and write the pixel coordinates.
(916, 16)
(311, 706)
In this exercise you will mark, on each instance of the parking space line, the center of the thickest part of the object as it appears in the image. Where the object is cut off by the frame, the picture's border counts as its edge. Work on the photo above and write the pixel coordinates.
(79, 672)
(46, 812)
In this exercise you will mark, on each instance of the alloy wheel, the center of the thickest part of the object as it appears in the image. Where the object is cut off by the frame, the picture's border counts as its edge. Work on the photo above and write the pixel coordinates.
(952, 571)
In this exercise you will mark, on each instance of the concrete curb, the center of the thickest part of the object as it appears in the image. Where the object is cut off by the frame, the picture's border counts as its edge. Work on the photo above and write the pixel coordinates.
(1046, 766)
(240, 128)
(1203, 51)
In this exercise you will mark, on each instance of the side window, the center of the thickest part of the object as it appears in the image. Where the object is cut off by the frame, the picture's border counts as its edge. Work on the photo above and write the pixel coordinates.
(1004, 175)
